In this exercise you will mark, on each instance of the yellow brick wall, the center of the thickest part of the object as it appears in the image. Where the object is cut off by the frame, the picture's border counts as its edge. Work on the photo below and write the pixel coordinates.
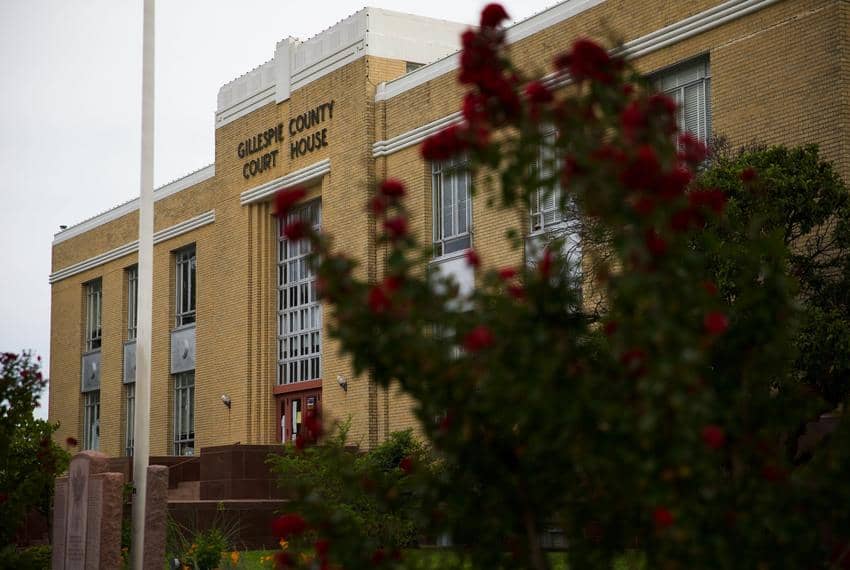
(778, 75)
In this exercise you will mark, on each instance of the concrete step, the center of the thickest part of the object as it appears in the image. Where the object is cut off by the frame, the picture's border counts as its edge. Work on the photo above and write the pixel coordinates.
(185, 491)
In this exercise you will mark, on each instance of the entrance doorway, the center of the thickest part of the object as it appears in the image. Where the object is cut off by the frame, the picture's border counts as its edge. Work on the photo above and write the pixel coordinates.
(292, 407)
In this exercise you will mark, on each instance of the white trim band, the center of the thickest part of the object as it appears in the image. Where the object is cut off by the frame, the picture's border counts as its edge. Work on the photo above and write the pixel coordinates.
(659, 39)
(301, 176)
(681, 30)
(127, 207)
(132, 247)
(415, 136)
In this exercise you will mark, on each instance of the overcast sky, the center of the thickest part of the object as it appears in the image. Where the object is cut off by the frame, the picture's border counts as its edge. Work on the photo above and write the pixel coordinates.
(70, 100)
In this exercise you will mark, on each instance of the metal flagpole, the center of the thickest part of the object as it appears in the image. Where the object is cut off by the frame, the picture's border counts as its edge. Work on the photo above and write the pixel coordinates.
(141, 426)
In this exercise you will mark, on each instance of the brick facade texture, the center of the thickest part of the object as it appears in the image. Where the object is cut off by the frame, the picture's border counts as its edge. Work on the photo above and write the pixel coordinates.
(779, 75)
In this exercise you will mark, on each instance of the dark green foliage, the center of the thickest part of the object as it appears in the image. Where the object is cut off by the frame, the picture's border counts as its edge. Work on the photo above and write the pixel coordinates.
(32, 558)
(799, 196)
(29, 459)
(369, 495)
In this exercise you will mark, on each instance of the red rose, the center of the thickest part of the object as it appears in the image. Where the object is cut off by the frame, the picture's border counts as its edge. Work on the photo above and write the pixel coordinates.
(643, 170)
(674, 182)
(71, 441)
(378, 205)
(478, 339)
(321, 547)
(715, 322)
(406, 465)
(644, 205)
(545, 266)
(285, 199)
(748, 175)
(685, 219)
(296, 230)
(711, 198)
(507, 273)
(473, 108)
(288, 525)
(392, 188)
(538, 93)
(378, 557)
(473, 259)
(392, 283)
(634, 361)
(610, 328)
(656, 244)
(378, 300)
(516, 291)
(492, 15)
(444, 144)
(662, 517)
(396, 227)
(713, 436)
(665, 109)
(589, 60)
(633, 120)
(710, 288)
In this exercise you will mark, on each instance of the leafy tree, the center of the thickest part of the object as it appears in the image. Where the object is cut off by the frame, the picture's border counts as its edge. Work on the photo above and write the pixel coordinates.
(796, 193)
(663, 426)
(29, 460)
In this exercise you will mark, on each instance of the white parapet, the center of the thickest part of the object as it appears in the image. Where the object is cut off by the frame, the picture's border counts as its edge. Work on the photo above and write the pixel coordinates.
(371, 31)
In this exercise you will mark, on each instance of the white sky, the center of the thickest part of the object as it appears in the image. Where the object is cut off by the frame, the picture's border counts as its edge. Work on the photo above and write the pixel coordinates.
(70, 105)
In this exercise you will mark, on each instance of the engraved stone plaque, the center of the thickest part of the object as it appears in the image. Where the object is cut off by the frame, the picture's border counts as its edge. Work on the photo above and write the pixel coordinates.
(129, 362)
(78, 487)
(183, 349)
(91, 371)
(60, 522)
(93, 516)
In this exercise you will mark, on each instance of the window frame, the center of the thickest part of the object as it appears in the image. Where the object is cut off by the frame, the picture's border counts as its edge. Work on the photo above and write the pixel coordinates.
(132, 302)
(185, 265)
(129, 418)
(673, 82)
(451, 170)
(91, 420)
(93, 333)
(299, 311)
(183, 440)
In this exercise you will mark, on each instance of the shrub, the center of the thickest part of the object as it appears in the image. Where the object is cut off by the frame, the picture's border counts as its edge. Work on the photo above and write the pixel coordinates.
(665, 421)
(29, 459)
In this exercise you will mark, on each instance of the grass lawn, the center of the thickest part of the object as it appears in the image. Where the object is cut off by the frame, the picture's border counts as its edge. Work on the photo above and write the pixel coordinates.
(439, 559)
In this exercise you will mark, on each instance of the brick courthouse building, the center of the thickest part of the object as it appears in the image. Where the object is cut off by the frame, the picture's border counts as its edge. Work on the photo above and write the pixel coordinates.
(239, 347)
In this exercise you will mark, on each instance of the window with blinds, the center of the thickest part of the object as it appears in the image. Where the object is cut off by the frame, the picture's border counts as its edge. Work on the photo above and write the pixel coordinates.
(91, 420)
(299, 313)
(185, 286)
(546, 211)
(690, 85)
(452, 206)
(184, 413)
(132, 301)
(94, 309)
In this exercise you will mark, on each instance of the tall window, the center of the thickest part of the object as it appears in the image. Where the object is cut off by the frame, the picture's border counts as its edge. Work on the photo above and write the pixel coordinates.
(132, 301)
(299, 314)
(94, 309)
(546, 210)
(185, 305)
(91, 419)
(452, 206)
(184, 413)
(129, 417)
(690, 85)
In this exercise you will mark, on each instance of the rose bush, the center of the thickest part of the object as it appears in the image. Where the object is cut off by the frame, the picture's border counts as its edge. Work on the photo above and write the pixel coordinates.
(665, 422)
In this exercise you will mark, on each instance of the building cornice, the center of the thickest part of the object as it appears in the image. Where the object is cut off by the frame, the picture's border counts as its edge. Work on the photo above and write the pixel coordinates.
(644, 45)
(126, 249)
(301, 176)
(681, 30)
(414, 136)
(127, 207)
